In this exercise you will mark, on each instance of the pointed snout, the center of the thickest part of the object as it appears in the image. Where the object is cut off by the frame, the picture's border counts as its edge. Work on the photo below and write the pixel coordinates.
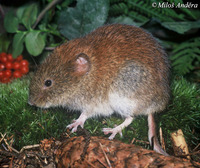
(30, 102)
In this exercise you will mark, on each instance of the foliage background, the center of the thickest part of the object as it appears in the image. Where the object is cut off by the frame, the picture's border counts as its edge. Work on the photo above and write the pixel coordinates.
(35, 27)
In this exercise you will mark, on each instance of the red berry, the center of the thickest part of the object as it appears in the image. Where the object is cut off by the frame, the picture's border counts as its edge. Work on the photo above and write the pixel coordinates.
(19, 58)
(24, 69)
(10, 58)
(24, 63)
(7, 73)
(5, 80)
(3, 58)
(17, 74)
(3, 54)
(8, 65)
(1, 74)
(16, 65)
(2, 66)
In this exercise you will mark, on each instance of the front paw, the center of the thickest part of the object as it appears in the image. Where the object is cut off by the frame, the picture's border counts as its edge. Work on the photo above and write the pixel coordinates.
(80, 121)
(112, 131)
(75, 125)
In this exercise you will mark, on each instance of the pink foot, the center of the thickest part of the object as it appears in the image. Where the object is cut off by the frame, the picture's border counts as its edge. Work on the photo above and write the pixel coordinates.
(80, 121)
(118, 129)
(153, 139)
(112, 131)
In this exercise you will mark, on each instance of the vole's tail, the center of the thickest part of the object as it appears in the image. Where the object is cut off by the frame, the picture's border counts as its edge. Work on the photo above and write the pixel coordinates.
(153, 139)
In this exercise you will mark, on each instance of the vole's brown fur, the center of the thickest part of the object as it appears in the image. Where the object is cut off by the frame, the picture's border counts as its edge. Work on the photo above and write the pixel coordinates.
(117, 68)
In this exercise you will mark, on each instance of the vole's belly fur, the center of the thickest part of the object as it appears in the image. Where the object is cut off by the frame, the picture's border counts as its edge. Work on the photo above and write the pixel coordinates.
(129, 94)
(117, 103)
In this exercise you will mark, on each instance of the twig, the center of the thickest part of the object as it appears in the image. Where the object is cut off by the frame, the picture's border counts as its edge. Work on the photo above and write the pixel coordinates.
(3, 136)
(68, 135)
(13, 149)
(102, 163)
(179, 144)
(11, 141)
(162, 142)
(196, 147)
(41, 15)
(189, 154)
(108, 161)
(11, 162)
(7, 153)
(9, 147)
(135, 140)
(4, 147)
(90, 164)
(39, 160)
(29, 147)
(132, 140)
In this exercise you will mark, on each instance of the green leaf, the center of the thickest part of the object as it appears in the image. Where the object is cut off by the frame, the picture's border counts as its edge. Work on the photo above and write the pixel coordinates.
(184, 56)
(35, 42)
(4, 42)
(145, 8)
(181, 27)
(189, 12)
(29, 16)
(11, 22)
(85, 17)
(17, 44)
(20, 12)
(119, 8)
(125, 20)
(137, 17)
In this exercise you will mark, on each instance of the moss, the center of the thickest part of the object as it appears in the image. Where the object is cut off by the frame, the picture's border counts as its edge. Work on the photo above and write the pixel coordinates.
(29, 124)
(183, 112)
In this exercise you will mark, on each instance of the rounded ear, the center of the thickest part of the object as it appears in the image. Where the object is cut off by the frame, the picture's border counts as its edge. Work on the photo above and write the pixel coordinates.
(82, 64)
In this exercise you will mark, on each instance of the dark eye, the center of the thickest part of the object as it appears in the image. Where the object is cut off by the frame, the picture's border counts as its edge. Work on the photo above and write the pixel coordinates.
(48, 83)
